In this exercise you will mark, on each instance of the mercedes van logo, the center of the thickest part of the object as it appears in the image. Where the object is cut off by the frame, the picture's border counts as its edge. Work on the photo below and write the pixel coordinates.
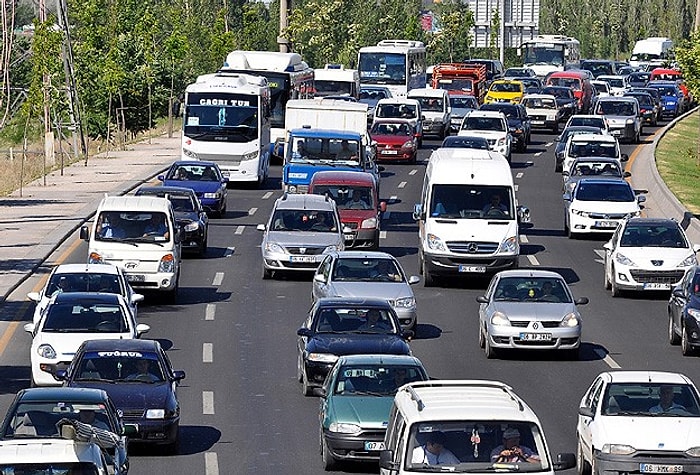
(472, 247)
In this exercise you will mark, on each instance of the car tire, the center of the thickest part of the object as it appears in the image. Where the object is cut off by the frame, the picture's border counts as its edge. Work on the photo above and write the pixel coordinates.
(300, 371)
(555, 129)
(482, 339)
(428, 278)
(329, 463)
(614, 289)
(266, 273)
(582, 466)
(686, 348)
(673, 337)
(606, 279)
(558, 167)
(489, 350)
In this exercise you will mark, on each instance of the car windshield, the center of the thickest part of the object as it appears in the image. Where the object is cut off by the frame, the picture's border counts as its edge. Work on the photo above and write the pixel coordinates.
(566, 82)
(471, 202)
(484, 123)
(119, 366)
(653, 235)
(323, 150)
(374, 379)
(468, 102)
(348, 269)
(589, 168)
(615, 82)
(532, 289)
(619, 193)
(615, 108)
(475, 446)
(593, 149)
(457, 141)
(667, 91)
(132, 226)
(43, 468)
(38, 419)
(650, 399)
(193, 173)
(508, 110)
(559, 92)
(432, 104)
(348, 196)
(354, 320)
(393, 111)
(304, 220)
(539, 103)
(588, 121)
(388, 128)
(85, 318)
(510, 87)
(83, 282)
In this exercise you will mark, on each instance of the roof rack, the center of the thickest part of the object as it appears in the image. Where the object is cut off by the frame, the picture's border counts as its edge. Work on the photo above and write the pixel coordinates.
(414, 396)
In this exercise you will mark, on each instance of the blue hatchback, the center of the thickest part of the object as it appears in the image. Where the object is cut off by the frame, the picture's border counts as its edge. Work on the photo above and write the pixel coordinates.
(204, 178)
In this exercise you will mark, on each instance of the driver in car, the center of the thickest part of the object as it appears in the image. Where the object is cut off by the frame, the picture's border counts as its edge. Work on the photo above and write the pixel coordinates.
(143, 373)
(495, 204)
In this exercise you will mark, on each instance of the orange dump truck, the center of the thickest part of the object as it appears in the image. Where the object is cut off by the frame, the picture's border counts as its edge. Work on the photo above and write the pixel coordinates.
(461, 78)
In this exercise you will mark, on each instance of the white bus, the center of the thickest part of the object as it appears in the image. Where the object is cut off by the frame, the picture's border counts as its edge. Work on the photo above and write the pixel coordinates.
(335, 80)
(227, 121)
(549, 53)
(397, 64)
(287, 76)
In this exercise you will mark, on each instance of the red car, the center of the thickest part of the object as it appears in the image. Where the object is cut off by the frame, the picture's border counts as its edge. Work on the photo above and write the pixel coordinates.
(396, 140)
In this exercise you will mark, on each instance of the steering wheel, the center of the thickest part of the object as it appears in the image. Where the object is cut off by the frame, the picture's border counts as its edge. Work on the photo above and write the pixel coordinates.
(106, 325)
(495, 213)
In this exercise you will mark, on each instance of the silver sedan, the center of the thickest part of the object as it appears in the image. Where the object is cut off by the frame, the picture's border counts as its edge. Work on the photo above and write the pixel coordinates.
(370, 275)
(529, 309)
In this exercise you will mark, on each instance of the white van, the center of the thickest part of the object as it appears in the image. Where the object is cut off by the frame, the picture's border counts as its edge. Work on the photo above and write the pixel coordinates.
(468, 217)
(138, 234)
(482, 427)
(401, 108)
(437, 112)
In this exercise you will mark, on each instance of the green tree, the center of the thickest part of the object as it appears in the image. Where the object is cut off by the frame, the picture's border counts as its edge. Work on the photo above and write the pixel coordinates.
(453, 41)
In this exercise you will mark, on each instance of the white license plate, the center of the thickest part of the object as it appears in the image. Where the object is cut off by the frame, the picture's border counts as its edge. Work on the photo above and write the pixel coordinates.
(537, 122)
(302, 259)
(135, 277)
(536, 336)
(657, 286)
(374, 446)
(390, 152)
(606, 224)
(348, 237)
(656, 468)
(616, 132)
(478, 269)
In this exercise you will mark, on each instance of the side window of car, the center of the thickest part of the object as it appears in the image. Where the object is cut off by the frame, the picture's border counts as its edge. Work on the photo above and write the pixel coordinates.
(325, 267)
(596, 397)
(588, 401)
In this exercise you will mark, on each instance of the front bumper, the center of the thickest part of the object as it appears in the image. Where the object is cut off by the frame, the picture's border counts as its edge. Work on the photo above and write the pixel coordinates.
(593, 224)
(408, 316)
(632, 464)
(153, 431)
(635, 278)
(396, 154)
(286, 262)
(561, 338)
(626, 132)
(351, 447)
(441, 264)
(193, 239)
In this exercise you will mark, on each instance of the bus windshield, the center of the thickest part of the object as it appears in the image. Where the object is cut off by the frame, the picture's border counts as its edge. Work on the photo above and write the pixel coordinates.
(543, 54)
(383, 68)
(220, 116)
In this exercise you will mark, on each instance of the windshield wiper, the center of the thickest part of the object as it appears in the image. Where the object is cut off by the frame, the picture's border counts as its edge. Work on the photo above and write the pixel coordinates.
(113, 239)
(368, 393)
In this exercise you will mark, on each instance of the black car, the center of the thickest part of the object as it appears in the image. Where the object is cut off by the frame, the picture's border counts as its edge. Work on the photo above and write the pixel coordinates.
(599, 66)
(465, 141)
(639, 78)
(189, 215)
(531, 85)
(566, 101)
(139, 378)
(34, 413)
(655, 94)
(647, 106)
(518, 122)
(684, 312)
(340, 326)
(560, 142)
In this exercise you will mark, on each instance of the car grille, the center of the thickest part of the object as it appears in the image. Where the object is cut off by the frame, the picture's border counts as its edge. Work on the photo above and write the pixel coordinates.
(472, 247)
(132, 413)
(607, 216)
(525, 323)
(657, 277)
(492, 142)
(351, 225)
(538, 117)
(308, 251)
(301, 265)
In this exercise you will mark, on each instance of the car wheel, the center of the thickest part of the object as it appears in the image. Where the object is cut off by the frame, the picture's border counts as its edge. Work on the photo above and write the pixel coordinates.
(300, 369)
(482, 340)
(606, 278)
(555, 129)
(673, 337)
(266, 273)
(428, 279)
(558, 167)
(203, 247)
(329, 462)
(614, 289)
(582, 466)
(489, 350)
(306, 389)
(686, 348)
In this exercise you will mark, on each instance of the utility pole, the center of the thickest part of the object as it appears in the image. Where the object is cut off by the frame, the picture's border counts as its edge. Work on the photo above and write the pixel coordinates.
(281, 39)
(49, 158)
(502, 30)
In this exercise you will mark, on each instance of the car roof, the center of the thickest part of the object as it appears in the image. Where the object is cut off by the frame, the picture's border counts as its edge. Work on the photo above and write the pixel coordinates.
(529, 273)
(646, 377)
(604, 181)
(326, 133)
(382, 359)
(61, 393)
(304, 201)
(486, 113)
(595, 159)
(326, 302)
(540, 96)
(87, 298)
(651, 221)
(364, 255)
(86, 269)
(120, 344)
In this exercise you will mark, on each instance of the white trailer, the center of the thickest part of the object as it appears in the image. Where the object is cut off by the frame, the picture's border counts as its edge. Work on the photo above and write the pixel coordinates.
(320, 113)
(649, 50)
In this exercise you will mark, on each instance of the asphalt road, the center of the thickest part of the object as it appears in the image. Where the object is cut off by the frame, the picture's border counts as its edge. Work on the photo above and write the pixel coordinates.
(234, 334)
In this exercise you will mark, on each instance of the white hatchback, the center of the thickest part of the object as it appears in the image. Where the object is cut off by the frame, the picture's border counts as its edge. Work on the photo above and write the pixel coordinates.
(493, 126)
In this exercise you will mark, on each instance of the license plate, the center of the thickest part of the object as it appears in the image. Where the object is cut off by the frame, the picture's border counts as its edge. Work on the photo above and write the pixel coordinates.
(536, 336)
(302, 259)
(606, 224)
(348, 237)
(656, 286)
(537, 122)
(374, 446)
(390, 152)
(656, 468)
(135, 277)
(478, 269)
(616, 132)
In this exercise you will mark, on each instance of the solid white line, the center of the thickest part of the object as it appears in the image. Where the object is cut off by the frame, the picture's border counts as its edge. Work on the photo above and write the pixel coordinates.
(533, 260)
(207, 402)
(382, 234)
(218, 278)
(549, 144)
(207, 353)
(413, 172)
(519, 175)
(210, 311)
(211, 463)
(387, 214)
(403, 184)
(523, 238)
(607, 358)
(252, 211)
(239, 230)
(530, 162)
(267, 195)
(229, 251)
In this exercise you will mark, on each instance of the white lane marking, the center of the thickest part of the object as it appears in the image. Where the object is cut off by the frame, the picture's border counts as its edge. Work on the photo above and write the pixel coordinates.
(207, 402)
(267, 195)
(537, 154)
(403, 184)
(607, 359)
(218, 278)
(533, 260)
(210, 312)
(382, 234)
(523, 238)
(516, 187)
(393, 198)
(413, 172)
(229, 251)
(252, 211)
(549, 144)
(530, 162)
(519, 175)
(239, 230)
(387, 214)
(211, 463)
(601, 256)
(207, 353)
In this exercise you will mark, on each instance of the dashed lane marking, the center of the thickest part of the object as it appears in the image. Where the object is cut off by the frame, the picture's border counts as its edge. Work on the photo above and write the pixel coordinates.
(533, 260)
(229, 251)
(210, 311)
(382, 234)
(218, 279)
(393, 198)
(537, 154)
(519, 175)
(208, 402)
(403, 184)
(607, 358)
(239, 230)
(413, 172)
(523, 239)
(549, 144)
(211, 463)
(529, 163)
(601, 254)
(267, 195)
(252, 211)
(207, 353)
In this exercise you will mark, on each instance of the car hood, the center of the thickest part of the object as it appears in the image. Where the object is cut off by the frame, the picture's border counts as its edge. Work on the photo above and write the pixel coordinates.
(656, 257)
(649, 433)
(380, 290)
(357, 343)
(449, 229)
(607, 207)
(488, 134)
(541, 311)
(369, 412)
(304, 238)
(186, 216)
(391, 139)
(66, 344)
(197, 186)
(133, 395)
(356, 215)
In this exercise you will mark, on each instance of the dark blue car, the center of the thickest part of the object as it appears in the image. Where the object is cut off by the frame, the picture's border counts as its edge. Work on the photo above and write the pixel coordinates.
(684, 313)
(204, 178)
(139, 379)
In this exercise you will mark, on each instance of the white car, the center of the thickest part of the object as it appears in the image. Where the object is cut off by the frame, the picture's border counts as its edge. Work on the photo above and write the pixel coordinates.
(639, 422)
(589, 120)
(493, 126)
(647, 254)
(598, 206)
(84, 278)
(603, 88)
(68, 320)
(543, 111)
(591, 145)
(618, 84)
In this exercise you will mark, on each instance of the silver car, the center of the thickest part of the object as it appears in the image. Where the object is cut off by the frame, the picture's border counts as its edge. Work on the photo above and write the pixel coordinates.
(529, 309)
(623, 116)
(370, 275)
(301, 229)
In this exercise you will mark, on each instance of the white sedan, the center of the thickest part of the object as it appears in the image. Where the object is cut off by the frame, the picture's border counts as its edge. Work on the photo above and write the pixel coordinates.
(68, 320)
(84, 278)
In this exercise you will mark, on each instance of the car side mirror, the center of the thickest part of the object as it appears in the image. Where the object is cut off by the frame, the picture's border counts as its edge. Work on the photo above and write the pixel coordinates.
(34, 296)
(407, 335)
(382, 206)
(566, 196)
(414, 279)
(61, 374)
(564, 461)
(386, 460)
(178, 375)
(696, 248)
(136, 298)
(319, 278)
(523, 214)
(585, 411)
(320, 392)
(29, 327)
(608, 246)
(142, 328)
(161, 177)
(581, 301)
(482, 299)
(626, 175)
(418, 212)
(641, 198)
(260, 227)
(304, 332)
(624, 157)
(678, 292)
(85, 233)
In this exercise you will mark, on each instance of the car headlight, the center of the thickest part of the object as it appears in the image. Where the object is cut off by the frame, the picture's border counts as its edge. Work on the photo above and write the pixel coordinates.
(329, 249)
(167, 264)
(405, 302)
(322, 357)
(510, 245)
(500, 319)
(694, 312)
(155, 414)
(435, 243)
(189, 153)
(634, 214)
(502, 141)
(344, 428)
(213, 196)
(693, 452)
(689, 261)
(551, 117)
(578, 212)
(571, 320)
(624, 260)
(95, 258)
(249, 156)
(618, 449)
(192, 226)
(274, 248)
(369, 223)
(46, 351)
(629, 121)
(408, 144)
